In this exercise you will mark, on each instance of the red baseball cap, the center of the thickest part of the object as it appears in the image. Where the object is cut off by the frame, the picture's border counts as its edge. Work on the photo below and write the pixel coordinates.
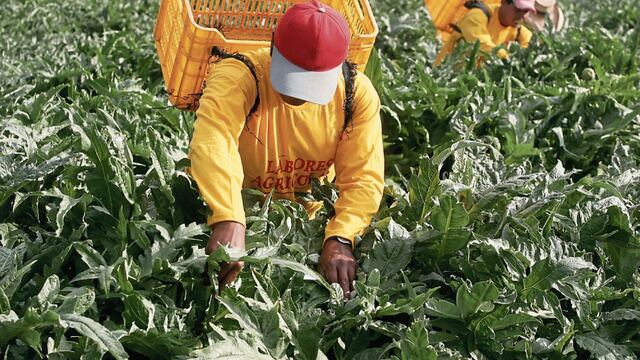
(310, 44)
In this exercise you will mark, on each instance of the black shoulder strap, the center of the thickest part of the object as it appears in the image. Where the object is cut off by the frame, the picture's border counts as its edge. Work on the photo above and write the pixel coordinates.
(349, 71)
(476, 4)
(221, 54)
(346, 72)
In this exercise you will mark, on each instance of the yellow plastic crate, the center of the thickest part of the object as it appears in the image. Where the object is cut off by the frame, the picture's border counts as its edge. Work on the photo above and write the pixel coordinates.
(187, 30)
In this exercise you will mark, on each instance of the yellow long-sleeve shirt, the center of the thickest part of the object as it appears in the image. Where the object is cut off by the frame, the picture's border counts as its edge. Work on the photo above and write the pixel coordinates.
(489, 32)
(282, 146)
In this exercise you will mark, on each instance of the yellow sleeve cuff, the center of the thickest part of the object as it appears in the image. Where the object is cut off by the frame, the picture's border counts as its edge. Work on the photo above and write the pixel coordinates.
(327, 236)
(216, 218)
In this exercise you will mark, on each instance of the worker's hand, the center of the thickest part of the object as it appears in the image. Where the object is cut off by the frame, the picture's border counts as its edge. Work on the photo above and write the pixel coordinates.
(338, 265)
(232, 233)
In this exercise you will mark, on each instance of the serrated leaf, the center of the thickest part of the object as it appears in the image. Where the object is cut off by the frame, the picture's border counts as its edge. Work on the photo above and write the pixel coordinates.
(243, 315)
(545, 273)
(96, 332)
(423, 187)
(230, 349)
(603, 349)
(159, 345)
(622, 314)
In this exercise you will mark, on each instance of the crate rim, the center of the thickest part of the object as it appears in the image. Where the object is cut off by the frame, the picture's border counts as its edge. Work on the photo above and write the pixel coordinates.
(368, 10)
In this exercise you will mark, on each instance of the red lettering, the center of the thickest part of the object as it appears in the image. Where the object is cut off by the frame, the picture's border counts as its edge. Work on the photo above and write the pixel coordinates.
(279, 185)
(310, 165)
(289, 166)
(329, 163)
(321, 165)
(287, 183)
(268, 183)
(298, 164)
(269, 166)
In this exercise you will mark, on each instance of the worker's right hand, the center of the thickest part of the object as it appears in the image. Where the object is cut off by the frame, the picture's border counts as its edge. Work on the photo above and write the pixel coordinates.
(231, 233)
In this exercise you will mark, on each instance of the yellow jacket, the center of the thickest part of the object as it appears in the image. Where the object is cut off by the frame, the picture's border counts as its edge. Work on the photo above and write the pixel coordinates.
(489, 32)
(282, 146)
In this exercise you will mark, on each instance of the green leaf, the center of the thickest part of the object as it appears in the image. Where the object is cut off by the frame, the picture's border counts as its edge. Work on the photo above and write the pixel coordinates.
(5, 304)
(307, 341)
(89, 255)
(159, 345)
(272, 335)
(101, 181)
(139, 310)
(32, 338)
(66, 205)
(460, 145)
(424, 187)
(243, 315)
(406, 306)
(449, 214)
(11, 326)
(310, 274)
(449, 234)
(622, 314)
(545, 273)
(510, 320)
(189, 232)
(373, 70)
(603, 349)
(479, 298)
(49, 291)
(13, 282)
(7, 264)
(442, 308)
(96, 332)
(389, 257)
(415, 344)
(77, 301)
(230, 349)
(625, 258)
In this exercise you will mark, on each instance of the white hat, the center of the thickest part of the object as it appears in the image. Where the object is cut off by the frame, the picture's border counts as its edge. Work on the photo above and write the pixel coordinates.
(535, 21)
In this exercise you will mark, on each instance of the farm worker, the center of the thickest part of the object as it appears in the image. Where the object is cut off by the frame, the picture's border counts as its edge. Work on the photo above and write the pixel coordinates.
(492, 25)
(272, 120)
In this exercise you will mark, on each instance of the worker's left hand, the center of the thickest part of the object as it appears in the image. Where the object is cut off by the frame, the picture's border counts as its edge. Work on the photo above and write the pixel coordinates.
(338, 265)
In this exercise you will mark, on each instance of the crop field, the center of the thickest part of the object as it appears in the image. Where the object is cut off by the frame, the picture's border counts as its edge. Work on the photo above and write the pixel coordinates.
(509, 228)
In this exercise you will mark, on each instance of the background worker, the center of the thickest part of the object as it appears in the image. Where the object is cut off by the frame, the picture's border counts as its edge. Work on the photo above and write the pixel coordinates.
(274, 120)
(492, 26)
